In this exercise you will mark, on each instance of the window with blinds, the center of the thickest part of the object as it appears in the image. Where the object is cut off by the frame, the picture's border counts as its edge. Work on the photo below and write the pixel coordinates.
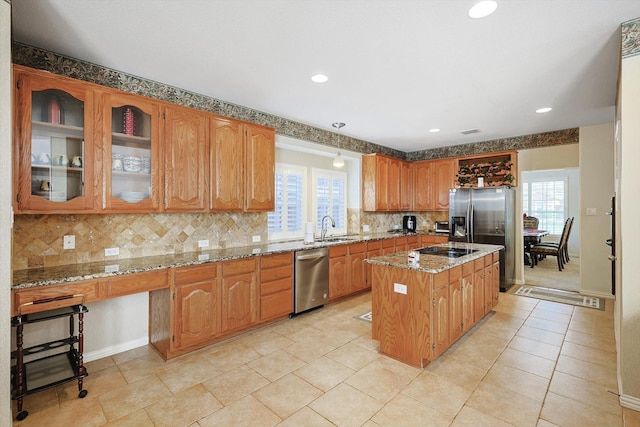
(330, 198)
(286, 221)
(547, 201)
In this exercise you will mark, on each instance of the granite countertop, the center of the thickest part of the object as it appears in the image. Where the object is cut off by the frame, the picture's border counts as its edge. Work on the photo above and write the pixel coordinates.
(435, 263)
(96, 270)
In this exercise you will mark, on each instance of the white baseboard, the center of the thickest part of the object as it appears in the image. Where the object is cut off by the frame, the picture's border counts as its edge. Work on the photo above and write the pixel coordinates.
(630, 402)
(115, 349)
(602, 295)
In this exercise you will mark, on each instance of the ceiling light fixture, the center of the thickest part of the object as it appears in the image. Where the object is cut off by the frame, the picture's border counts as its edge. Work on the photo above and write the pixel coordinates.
(338, 162)
(543, 110)
(483, 9)
(319, 78)
(434, 130)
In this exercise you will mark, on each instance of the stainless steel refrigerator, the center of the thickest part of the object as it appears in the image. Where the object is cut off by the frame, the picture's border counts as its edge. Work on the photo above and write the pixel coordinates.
(486, 215)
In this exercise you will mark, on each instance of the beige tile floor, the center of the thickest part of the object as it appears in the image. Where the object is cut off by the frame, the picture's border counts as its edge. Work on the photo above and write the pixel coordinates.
(528, 363)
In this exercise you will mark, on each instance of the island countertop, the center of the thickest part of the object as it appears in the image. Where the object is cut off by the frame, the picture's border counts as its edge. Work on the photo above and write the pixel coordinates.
(435, 263)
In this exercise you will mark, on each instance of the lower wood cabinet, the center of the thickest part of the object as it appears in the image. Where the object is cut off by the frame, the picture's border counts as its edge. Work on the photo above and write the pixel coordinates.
(468, 307)
(276, 286)
(338, 278)
(197, 305)
(357, 252)
(455, 303)
(478, 289)
(239, 294)
(374, 249)
(441, 314)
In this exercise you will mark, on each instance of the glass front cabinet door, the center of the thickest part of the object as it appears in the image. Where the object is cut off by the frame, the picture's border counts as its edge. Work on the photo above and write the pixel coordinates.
(130, 153)
(53, 131)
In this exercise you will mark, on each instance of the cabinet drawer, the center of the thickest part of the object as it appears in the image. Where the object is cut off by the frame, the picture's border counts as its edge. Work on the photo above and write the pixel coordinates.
(285, 284)
(467, 268)
(478, 264)
(496, 256)
(455, 273)
(45, 298)
(270, 261)
(231, 268)
(276, 273)
(276, 305)
(488, 260)
(441, 280)
(357, 248)
(135, 283)
(412, 242)
(389, 243)
(194, 274)
(336, 251)
(375, 245)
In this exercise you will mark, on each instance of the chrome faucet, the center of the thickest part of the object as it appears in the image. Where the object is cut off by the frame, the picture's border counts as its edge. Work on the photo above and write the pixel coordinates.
(323, 229)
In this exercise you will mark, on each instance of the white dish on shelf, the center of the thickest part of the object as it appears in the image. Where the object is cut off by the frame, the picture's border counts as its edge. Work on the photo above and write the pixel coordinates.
(133, 196)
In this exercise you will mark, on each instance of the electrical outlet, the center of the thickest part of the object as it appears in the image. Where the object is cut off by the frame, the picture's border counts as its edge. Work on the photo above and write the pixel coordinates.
(203, 257)
(112, 251)
(256, 239)
(69, 242)
(111, 268)
(203, 243)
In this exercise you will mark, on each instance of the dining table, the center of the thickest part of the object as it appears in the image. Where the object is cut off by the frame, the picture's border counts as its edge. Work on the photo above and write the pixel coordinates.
(532, 237)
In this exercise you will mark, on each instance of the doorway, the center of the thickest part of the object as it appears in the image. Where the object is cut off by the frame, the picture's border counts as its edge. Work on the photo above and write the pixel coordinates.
(552, 196)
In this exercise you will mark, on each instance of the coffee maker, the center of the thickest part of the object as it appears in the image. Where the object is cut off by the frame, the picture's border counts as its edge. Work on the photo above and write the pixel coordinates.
(409, 224)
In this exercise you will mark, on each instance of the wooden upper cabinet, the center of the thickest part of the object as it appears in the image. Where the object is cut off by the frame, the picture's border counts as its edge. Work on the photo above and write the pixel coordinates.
(186, 154)
(131, 169)
(242, 166)
(432, 180)
(260, 168)
(406, 186)
(445, 177)
(393, 184)
(227, 164)
(382, 183)
(55, 144)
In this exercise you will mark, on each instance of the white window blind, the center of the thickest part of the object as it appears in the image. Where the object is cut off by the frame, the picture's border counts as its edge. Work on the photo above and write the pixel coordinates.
(286, 221)
(547, 201)
(330, 198)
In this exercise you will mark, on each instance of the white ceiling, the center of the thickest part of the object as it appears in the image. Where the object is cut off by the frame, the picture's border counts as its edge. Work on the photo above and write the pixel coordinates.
(396, 68)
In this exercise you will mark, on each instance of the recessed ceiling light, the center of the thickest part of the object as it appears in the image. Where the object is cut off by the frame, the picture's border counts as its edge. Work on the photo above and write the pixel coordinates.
(483, 9)
(434, 130)
(543, 110)
(319, 78)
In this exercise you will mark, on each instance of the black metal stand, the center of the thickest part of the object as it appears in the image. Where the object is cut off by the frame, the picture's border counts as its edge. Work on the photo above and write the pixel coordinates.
(52, 370)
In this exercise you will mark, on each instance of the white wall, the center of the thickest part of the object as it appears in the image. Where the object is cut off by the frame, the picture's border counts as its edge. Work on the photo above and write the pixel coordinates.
(596, 181)
(628, 195)
(5, 212)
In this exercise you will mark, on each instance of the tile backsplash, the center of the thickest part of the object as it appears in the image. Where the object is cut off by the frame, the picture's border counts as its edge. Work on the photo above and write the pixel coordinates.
(38, 239)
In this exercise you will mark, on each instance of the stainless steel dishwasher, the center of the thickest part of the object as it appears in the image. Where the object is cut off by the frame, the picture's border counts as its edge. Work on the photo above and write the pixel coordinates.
(311, 279)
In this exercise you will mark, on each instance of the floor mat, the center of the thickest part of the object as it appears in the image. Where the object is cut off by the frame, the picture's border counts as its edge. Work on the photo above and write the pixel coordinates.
(563, 297)
(364, 316)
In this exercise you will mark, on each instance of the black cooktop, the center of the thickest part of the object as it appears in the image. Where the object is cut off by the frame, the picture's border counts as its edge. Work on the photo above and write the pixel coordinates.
(448, 252)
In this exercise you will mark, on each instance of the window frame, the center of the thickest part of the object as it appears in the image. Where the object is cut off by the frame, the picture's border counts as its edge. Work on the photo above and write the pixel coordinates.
(328, 173)
(285, 168)
(527, 205)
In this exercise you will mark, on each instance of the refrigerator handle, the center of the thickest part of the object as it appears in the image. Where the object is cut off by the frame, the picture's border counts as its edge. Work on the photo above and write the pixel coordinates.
(469, 223)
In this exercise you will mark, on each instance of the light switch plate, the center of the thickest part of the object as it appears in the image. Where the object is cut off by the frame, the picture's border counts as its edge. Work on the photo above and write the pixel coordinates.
(69, 242)
(112, 251)
(256, 239)
(203, 243)
(592, 212)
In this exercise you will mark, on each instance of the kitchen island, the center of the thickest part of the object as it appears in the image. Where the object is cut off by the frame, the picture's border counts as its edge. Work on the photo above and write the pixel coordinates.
(419, 310)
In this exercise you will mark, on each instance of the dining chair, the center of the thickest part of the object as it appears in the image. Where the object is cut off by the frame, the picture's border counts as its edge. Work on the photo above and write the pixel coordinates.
(559, 249)
(530, 222)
